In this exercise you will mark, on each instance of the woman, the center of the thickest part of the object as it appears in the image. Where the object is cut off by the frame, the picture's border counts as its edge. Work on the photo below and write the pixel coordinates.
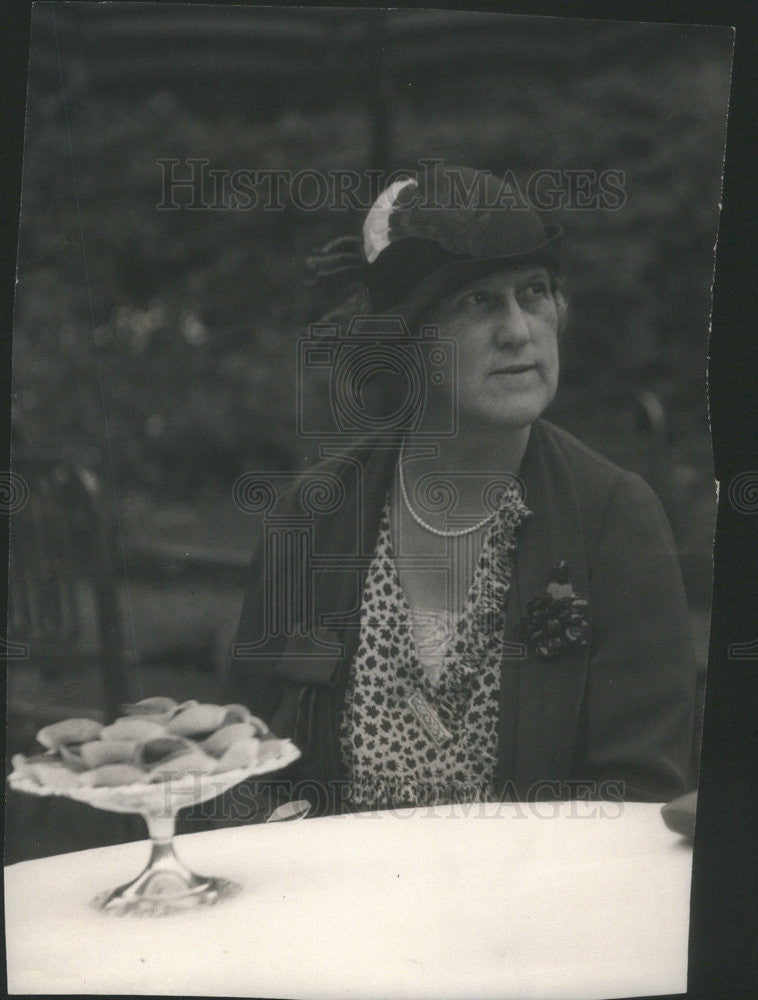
(497, 610)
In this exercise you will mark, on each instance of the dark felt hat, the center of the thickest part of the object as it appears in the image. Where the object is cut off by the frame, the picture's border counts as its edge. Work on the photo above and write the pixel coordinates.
(425, 236)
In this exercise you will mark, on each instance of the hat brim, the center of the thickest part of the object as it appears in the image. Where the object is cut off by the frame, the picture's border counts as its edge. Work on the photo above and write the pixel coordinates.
(444, 280)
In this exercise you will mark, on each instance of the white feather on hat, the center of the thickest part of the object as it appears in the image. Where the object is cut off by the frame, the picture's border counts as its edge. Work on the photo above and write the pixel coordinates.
(376, 226)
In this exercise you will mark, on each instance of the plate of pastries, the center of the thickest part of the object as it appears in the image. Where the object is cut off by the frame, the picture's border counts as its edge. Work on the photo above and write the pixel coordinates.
(159, 755)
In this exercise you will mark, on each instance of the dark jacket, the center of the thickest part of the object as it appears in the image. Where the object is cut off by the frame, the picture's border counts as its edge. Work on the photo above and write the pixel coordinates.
(618, 711)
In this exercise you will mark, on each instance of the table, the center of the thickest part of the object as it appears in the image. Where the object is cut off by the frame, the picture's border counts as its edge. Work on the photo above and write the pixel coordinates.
(550, 900)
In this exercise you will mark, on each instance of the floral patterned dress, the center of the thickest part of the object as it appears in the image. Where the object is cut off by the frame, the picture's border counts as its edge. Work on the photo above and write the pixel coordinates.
(421, 710)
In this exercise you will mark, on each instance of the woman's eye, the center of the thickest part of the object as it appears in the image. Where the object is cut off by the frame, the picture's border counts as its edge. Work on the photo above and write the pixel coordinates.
(535, 290)
(476, 298)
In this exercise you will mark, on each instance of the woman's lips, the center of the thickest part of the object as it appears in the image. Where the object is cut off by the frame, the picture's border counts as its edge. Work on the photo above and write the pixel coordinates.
(513, 369)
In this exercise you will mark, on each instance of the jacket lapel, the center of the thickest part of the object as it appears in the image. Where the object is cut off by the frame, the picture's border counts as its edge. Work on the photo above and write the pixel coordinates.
(541, 699)
(318, 660)
(321, 650)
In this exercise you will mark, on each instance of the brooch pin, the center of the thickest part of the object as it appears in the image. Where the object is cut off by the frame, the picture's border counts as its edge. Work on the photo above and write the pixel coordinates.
(556, 621)
(429, 719)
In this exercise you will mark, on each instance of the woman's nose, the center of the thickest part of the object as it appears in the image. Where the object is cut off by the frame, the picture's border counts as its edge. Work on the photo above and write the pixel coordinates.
(511, 326)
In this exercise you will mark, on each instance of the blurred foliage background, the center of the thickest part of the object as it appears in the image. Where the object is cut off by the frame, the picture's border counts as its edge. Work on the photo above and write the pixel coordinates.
(159, 348)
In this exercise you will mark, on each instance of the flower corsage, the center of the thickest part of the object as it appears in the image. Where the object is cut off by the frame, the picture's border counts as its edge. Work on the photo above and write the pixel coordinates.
(557, 620)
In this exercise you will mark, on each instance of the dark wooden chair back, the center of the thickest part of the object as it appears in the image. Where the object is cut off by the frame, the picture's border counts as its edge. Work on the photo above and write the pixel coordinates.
(63, 609)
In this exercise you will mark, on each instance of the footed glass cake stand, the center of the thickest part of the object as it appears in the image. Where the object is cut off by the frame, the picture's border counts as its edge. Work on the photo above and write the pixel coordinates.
(166, 885)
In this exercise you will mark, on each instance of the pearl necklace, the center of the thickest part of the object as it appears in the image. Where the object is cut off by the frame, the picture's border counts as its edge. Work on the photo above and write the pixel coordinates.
(457, 533)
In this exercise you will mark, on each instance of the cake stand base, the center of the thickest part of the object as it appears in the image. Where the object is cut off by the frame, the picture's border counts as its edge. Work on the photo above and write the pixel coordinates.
(166, 885)
(157, 901)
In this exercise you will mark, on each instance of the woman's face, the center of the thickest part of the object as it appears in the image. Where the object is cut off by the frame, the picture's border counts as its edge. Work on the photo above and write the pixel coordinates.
(505, 325)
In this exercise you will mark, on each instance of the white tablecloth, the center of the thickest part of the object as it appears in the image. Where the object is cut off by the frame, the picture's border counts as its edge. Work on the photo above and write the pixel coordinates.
(474, 901)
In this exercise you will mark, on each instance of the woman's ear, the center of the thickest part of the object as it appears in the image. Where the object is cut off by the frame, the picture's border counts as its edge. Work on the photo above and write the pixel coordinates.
(562, 308)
